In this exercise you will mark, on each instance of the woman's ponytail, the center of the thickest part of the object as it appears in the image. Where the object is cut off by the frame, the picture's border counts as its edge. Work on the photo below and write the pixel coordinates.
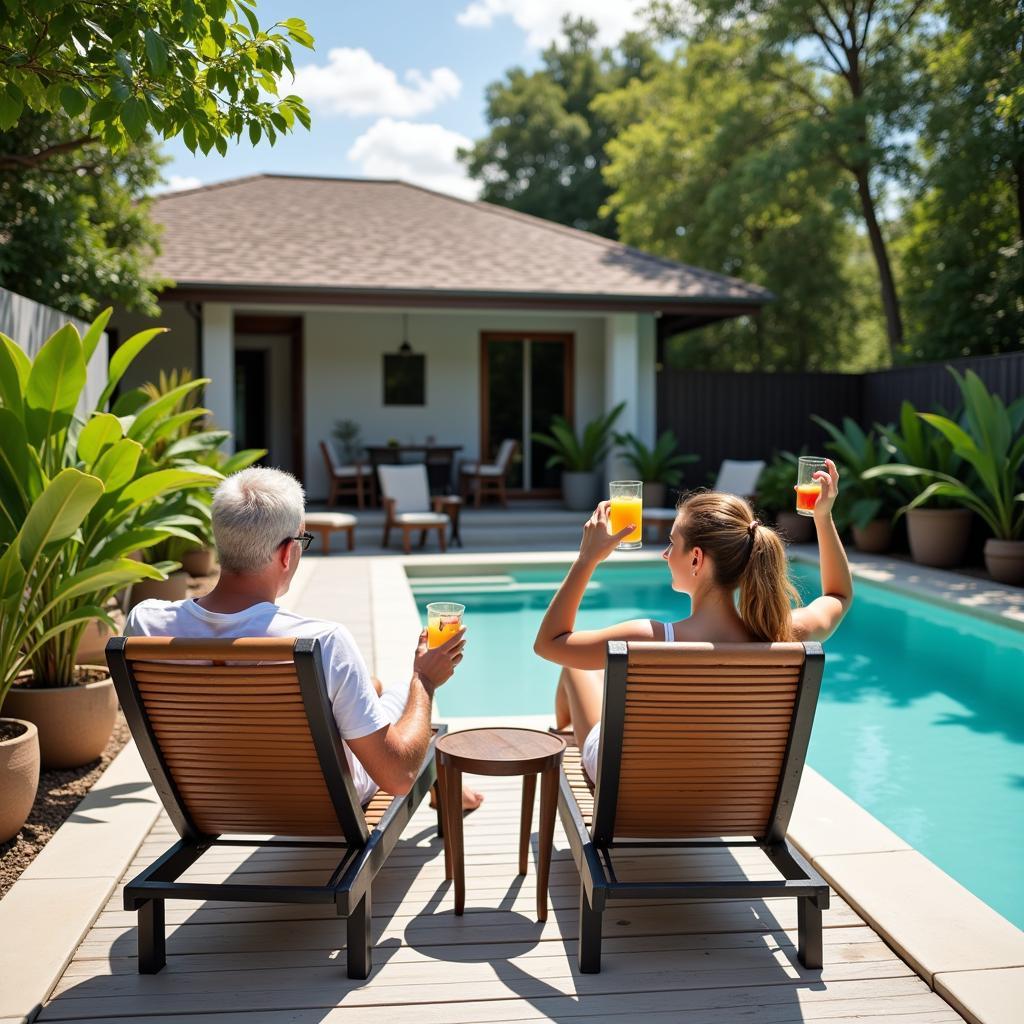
(766, 593)
(747, 555)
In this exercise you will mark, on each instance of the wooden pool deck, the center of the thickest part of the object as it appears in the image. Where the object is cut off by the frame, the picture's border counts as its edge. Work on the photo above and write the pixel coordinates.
(702, 962)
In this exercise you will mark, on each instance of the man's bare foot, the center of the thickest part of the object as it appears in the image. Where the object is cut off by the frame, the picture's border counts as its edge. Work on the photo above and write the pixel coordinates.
(471, 799)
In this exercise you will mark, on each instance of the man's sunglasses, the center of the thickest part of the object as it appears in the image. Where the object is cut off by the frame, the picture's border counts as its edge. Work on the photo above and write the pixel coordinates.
(305, 539)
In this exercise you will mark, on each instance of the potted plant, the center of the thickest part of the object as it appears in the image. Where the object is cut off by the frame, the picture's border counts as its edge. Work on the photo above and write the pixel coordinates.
(938, 528)
(775, 497)
(991, 441)
(580, 457)
(868, 505)
(658, 468)
(75, 573)
(350, 438)
(52, 519)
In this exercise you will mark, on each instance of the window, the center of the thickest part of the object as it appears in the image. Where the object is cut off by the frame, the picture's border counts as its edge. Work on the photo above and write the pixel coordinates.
(404, 379)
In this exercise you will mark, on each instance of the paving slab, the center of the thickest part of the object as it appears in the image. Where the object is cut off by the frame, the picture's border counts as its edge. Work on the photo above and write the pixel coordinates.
(985, 997)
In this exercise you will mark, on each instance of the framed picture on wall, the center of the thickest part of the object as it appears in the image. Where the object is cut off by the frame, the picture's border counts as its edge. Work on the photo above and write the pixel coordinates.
(404, 379)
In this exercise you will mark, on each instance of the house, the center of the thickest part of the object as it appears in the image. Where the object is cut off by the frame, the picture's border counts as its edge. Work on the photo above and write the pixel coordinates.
(308, 300)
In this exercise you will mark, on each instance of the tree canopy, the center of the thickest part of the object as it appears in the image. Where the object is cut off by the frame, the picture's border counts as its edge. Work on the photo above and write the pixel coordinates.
(77, 235)
(545, 150)
(202, 69)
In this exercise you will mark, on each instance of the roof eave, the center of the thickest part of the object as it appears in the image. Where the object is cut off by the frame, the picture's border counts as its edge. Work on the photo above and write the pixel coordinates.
(725, 305)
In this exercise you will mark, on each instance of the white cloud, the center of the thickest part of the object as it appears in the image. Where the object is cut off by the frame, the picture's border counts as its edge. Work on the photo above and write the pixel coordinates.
(353, 83)
(541, 20)
(423, 154)
(178, 183)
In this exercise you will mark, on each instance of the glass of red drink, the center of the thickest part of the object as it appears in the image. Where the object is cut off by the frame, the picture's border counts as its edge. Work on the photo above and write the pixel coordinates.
(808, 490)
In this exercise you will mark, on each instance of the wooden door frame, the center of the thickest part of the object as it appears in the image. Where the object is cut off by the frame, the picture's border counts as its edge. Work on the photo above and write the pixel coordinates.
(565, 338)
(293, 327)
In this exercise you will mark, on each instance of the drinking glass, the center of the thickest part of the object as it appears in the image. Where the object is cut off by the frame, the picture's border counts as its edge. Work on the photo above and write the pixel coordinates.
(808, 490)
(627, 509)
(444, 620)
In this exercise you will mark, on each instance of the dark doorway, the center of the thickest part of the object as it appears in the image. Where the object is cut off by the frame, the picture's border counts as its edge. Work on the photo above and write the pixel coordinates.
(526, 380)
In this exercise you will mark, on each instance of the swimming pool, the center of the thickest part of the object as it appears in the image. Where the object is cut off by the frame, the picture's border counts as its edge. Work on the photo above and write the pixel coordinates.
(921, 716)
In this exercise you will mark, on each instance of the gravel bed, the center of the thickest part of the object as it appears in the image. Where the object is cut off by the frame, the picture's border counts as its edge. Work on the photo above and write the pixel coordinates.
(59, 793)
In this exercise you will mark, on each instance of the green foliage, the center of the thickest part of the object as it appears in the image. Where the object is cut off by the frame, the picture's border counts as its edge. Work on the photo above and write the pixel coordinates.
(865, 497)
(76, 229)
(710, 171)
(991, 441)
(661, 464)
(775, 485)
(202, 69)
(912, 444)
(76, 496)
(583, 454)
(545, 148)
(962, 252)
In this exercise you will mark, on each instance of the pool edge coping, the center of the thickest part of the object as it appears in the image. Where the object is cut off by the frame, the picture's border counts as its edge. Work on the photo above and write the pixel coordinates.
(841, 817)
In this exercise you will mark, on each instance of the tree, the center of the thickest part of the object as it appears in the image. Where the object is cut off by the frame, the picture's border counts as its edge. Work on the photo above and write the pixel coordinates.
(76, 230)
(202, 69)
(709, 171)
(546, 146)
(962, 254)
(861, 58)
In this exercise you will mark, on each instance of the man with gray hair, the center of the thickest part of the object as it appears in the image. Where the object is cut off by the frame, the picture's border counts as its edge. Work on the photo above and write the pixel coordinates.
(258, 529)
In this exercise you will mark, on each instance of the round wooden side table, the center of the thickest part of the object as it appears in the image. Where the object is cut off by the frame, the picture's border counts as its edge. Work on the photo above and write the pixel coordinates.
(499, 751)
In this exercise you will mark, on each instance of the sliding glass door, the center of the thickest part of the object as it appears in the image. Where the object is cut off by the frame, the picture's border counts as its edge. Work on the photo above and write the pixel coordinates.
(527, 379)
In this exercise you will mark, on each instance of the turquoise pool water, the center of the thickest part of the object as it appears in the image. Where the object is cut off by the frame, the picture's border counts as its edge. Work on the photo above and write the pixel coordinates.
(921, 716)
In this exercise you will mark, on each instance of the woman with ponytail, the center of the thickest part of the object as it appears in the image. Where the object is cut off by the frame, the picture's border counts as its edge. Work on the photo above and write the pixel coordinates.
(733, 567)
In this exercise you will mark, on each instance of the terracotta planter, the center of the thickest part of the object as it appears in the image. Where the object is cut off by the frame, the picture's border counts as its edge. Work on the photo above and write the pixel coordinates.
(174, 588)
(198, 562)
(19, 776)
(92, 646)
(1004, 560)
(654, 495)
(795, 529)
(938, 536)
(874, 538)
(74, 722)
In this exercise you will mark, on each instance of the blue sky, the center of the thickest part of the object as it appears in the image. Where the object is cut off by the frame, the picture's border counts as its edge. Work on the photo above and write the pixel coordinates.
(395, 86)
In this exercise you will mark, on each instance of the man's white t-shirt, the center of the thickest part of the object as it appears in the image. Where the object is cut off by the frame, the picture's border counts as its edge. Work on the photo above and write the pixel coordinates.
(357, 708)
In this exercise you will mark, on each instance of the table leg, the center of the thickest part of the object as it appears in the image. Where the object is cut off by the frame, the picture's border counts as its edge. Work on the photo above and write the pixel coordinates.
(526, 821)
(453, 833)
(546, 836)
(441, 796)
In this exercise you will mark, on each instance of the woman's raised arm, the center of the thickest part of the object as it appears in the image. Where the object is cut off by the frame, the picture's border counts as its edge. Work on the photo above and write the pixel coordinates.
(556, 640)
(820, 619)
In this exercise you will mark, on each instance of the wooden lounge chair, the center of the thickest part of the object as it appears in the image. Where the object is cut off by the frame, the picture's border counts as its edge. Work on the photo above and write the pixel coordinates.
(239, 739)
(698, 741)
(489, 477)
(355, 480)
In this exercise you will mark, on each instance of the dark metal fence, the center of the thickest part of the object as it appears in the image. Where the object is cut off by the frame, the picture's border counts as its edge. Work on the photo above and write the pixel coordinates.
(721, 415)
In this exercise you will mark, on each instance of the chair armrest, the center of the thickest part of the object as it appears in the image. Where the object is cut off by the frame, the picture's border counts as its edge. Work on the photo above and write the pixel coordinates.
(389, 508)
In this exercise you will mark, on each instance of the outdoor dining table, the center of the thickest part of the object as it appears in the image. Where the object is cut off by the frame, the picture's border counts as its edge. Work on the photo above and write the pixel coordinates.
(439, 457)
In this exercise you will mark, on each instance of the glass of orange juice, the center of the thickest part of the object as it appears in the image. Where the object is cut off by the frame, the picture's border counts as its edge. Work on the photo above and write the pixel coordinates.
(627, 508)
(808, 490)
(444, 620)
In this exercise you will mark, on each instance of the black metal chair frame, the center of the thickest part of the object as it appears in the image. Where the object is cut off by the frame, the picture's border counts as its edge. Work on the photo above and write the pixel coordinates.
(592, 848)
(362, 854)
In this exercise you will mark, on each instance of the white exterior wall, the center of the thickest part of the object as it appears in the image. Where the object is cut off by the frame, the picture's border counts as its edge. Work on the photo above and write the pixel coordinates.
(629, 377)
(344, 375)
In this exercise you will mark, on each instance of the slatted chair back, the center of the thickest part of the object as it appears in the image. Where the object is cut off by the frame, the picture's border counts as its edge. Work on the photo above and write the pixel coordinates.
(238, 735)
(739, 478)
(407, 485)
(701, 740)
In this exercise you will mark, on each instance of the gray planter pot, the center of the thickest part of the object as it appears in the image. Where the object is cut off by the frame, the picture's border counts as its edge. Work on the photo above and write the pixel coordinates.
(654, 495)
(579, 491)
(938, 536)
(1004, 560)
